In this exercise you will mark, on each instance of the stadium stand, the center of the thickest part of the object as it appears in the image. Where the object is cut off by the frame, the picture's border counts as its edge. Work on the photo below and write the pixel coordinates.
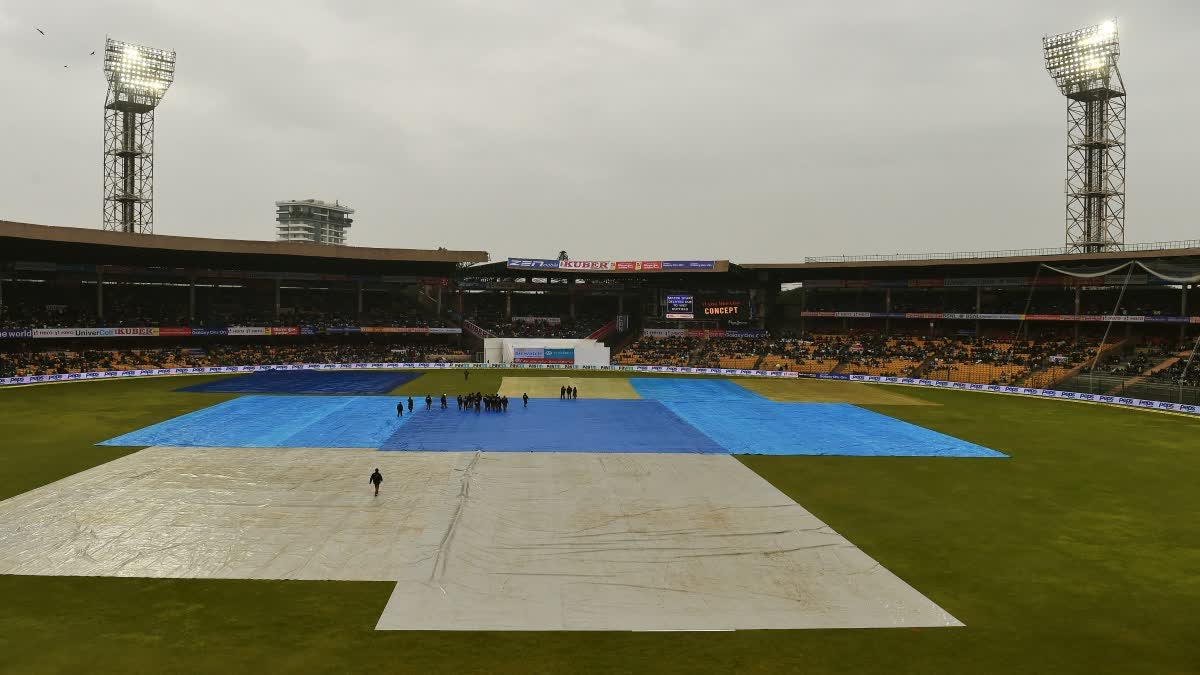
(80, 360)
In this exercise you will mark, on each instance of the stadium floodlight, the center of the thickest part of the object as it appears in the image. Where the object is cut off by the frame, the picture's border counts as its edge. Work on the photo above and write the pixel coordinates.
(138, 78)
(1083, 64)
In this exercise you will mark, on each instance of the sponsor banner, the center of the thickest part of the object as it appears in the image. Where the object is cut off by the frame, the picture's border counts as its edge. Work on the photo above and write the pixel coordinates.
(586, 265)
(174, 331)
(342, 330)
(285, 330)
(392, 329)
(72, 332)
(561, 353)
(248, 330)
(1090, 318)
(208, 331)
(694, 265)
(472, 329)
(9, 333)
(612, 265)
(532, 264)
(544, 355)
(985, 317)
(528, 354)
(444, 331)
(700, 332)
(136, 332)
(549, 320)
(1041, 393)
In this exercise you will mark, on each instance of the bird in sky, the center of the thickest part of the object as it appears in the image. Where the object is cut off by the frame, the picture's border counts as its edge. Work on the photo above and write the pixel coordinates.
(92, 54)
(39, 30)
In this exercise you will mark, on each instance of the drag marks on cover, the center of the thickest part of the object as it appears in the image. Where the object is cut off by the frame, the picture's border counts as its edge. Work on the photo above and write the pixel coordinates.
(309, 382)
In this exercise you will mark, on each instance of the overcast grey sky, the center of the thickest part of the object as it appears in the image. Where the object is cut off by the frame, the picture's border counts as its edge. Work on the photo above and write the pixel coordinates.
(756, 130)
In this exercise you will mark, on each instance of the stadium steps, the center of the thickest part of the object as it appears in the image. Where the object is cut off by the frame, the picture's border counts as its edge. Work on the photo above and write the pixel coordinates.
(1137, 379)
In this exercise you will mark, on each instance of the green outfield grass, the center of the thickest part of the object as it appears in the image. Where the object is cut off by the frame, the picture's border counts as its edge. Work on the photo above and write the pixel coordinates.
(1078, 554)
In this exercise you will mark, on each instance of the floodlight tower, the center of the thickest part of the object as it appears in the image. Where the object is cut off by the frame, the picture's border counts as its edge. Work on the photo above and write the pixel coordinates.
(138, 78)
(1083, 64)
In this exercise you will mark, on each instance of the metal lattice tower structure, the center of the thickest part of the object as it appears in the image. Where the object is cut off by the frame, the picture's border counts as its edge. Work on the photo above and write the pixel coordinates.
(138, 78)
(1083, 63)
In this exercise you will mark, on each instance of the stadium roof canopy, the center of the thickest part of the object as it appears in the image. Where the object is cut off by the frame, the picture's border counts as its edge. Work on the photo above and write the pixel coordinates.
(723, 272)
(967, 265)
(26, 242)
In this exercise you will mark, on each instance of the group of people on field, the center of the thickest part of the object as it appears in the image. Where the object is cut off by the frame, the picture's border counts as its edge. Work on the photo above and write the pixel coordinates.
(489, 402)
(477, 402)
(568, 393)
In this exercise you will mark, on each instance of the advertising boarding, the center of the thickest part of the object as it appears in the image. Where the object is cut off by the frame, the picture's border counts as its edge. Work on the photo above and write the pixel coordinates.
(544, 355)
(612, 265)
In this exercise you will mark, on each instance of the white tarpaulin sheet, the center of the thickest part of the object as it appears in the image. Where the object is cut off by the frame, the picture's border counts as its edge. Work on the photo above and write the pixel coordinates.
(577, 541)
(503, 541)
(229, 513)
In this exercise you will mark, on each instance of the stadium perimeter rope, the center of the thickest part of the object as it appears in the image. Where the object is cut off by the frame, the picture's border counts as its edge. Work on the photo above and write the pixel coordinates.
(1123, 401)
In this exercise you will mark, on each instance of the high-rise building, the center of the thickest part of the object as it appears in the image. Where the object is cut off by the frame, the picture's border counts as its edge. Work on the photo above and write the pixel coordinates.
(312, 221)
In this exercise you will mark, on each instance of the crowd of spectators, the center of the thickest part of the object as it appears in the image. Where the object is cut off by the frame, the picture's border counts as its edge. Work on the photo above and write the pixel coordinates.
(546, 327)
(1182, 371)
(1136, 301)
(659, 351)
(982, 360)
(80, 360)
(33, 306)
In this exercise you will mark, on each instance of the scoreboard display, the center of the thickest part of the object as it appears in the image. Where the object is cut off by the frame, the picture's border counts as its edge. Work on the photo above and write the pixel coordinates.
(723, 309)
(681, 307)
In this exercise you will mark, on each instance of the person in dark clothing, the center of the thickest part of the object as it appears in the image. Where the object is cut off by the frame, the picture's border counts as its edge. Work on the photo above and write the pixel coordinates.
(525, 398)
(466, 376)
(574, 392)
(444, 404)
(562, 392)
(504, 403)
(400, 409)
(376, 479)
(459, 399)
(428, 402)
(410, 404)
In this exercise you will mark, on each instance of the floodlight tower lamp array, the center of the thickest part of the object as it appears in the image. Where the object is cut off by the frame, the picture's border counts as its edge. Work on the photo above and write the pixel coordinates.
(1083, 64)
(138, 78)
